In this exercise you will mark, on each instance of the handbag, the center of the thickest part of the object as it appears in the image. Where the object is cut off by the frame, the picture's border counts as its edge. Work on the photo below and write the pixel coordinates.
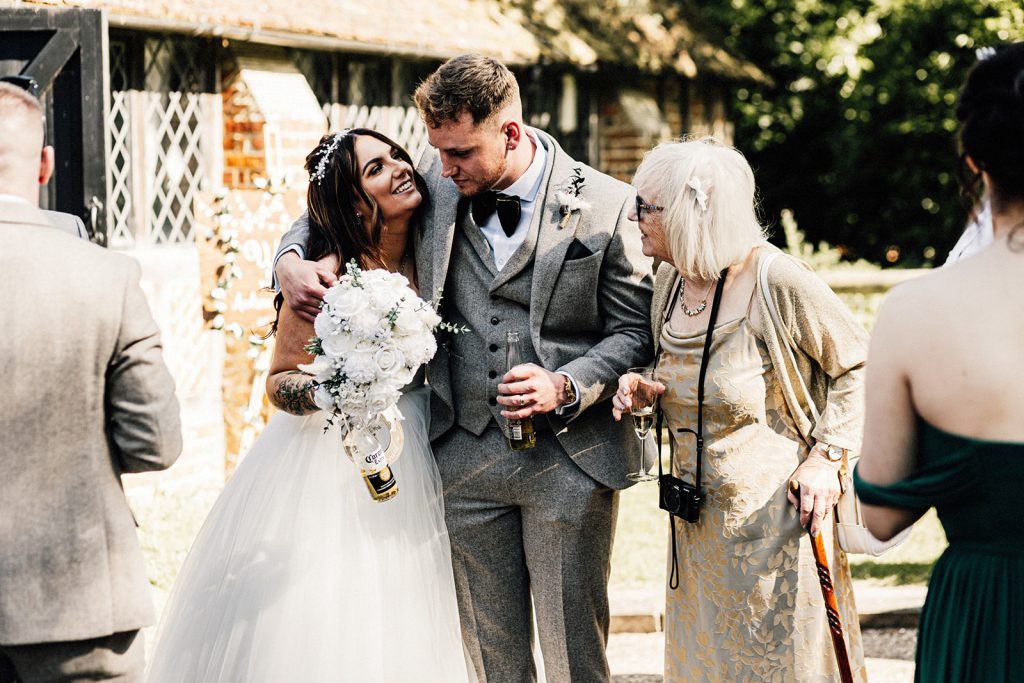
(853, 536)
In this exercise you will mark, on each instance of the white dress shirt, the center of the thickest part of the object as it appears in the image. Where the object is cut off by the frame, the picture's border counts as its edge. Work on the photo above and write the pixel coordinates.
(527, 187)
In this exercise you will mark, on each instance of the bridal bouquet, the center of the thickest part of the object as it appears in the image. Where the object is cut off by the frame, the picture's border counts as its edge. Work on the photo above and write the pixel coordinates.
(372, 334)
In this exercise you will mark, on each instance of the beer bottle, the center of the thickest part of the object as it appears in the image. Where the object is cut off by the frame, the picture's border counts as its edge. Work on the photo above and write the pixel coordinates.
(520, 433)
(369, 455)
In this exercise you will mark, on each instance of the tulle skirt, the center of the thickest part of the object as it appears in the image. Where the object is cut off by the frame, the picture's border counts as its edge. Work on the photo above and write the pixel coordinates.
(299, 575)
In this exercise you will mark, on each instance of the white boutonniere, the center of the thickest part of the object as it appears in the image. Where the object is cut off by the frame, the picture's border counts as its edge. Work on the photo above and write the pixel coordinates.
(569, 199)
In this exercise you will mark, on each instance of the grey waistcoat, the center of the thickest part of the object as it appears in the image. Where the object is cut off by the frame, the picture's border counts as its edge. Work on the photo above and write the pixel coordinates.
(490, 303)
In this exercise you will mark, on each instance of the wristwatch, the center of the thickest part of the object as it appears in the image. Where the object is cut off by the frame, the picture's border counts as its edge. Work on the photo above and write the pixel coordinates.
(570, 391)
(833, 453)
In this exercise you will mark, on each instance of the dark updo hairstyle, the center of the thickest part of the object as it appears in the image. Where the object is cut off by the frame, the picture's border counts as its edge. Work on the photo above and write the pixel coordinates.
(991, 116)
(335, 188)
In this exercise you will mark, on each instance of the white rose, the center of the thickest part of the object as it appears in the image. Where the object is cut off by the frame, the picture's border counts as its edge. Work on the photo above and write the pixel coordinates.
(380, 398)
(390, 362)
(399, 281)
(322, 368)
(338, 345)
(384, 298)
(346, 301)
(408, 321)
(324, 325)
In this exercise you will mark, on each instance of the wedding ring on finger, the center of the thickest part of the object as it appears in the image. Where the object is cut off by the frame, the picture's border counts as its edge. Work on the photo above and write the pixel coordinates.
(522, 401)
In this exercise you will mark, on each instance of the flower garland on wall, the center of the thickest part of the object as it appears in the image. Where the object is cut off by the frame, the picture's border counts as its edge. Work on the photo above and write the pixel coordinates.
(224, 236)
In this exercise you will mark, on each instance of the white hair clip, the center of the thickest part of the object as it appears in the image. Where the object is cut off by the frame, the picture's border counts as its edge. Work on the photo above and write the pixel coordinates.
(701, 194)
(983, 53)
(321, 166)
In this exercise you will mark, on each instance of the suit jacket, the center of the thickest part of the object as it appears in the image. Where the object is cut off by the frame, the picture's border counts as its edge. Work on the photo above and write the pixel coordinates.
(68, 222)
(86, 398)
(589, 304)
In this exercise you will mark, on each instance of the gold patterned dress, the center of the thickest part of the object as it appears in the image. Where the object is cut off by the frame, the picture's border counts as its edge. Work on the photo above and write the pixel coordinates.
(748, 606)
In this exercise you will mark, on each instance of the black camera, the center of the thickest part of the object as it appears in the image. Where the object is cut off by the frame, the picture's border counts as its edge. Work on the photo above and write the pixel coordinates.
(678, 498)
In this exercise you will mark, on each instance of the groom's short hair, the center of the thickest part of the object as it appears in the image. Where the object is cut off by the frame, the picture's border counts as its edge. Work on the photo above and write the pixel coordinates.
(470, 83)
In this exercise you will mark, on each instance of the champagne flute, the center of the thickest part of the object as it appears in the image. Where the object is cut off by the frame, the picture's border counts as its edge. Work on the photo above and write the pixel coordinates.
(644, 402)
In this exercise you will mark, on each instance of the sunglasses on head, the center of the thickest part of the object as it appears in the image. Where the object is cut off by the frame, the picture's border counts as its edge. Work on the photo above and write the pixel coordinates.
(29, 85)
(26, 83)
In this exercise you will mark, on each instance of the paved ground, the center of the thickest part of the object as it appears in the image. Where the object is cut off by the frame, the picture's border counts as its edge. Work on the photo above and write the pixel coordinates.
(888, 619)
(637, 658)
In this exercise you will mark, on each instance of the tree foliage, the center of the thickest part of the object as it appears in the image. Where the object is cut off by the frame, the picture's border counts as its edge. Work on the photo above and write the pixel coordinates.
(857, 134)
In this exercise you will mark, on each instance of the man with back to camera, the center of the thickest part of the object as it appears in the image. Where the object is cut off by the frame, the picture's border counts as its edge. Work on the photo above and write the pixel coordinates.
(87, 397)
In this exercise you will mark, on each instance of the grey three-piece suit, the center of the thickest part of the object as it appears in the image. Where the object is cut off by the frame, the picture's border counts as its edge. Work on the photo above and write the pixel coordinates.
(540, 521)
(86, 398)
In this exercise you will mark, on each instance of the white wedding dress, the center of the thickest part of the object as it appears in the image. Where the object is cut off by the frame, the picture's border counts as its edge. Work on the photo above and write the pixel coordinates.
(299, 575)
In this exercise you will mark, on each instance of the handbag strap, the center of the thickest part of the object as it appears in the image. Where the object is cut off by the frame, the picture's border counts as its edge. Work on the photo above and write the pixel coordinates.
(784, 338)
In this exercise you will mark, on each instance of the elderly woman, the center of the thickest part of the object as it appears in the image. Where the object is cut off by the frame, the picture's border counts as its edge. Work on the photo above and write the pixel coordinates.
(945, 405)
(745, 604)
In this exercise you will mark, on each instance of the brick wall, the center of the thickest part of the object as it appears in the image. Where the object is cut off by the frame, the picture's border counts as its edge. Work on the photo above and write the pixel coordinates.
(633, 120)
(245, 158)
(271, 122)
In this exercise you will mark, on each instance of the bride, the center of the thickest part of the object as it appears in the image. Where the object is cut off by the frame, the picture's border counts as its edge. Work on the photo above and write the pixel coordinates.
(298, 574)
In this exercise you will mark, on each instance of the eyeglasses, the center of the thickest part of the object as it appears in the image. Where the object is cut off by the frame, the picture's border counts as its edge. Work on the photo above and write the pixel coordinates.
(642, 206)
(26, 83)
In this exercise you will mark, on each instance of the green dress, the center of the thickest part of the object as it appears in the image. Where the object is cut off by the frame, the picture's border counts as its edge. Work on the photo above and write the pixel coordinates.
(971, 627)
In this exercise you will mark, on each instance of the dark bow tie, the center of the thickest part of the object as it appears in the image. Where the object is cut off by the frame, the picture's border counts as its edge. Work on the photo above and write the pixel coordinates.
(485, 204)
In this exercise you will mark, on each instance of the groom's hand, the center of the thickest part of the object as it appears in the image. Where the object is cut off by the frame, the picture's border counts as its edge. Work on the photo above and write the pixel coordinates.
(529, 389)
(304, 283)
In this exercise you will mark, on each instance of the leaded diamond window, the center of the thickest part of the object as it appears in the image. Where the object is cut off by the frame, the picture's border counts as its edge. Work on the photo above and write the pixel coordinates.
(158, 126)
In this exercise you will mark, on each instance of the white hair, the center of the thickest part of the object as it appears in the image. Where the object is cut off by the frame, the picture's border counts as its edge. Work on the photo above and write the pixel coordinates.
(707, 191)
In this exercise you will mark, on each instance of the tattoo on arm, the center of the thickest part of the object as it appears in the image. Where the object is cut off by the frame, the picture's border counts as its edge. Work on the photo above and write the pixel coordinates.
(294, 393)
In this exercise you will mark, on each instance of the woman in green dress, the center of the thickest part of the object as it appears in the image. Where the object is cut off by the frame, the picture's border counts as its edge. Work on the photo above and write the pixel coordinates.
(945, 406)
(748, 605)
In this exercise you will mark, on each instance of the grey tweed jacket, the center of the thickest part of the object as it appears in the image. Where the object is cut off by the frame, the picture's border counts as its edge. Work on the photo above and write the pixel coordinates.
(589, 303)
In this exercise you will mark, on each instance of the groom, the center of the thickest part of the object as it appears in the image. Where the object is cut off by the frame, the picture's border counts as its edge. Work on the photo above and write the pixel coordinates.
(554, 257)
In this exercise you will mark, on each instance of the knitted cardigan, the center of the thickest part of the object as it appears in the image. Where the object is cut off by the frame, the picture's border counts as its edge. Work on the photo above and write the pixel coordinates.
(831, 346)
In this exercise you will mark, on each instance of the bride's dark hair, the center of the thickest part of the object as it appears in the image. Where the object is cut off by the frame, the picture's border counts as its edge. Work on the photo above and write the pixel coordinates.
(335, 189)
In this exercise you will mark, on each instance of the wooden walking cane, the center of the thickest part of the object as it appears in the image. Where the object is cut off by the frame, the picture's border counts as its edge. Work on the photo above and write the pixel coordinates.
(835, 625)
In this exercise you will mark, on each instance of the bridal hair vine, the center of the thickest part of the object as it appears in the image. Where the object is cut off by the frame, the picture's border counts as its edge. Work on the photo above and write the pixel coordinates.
(321, 165)
(569, 197)
(700, 192)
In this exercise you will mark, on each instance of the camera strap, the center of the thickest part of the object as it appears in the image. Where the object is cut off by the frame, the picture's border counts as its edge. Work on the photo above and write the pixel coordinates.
(673, 579)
